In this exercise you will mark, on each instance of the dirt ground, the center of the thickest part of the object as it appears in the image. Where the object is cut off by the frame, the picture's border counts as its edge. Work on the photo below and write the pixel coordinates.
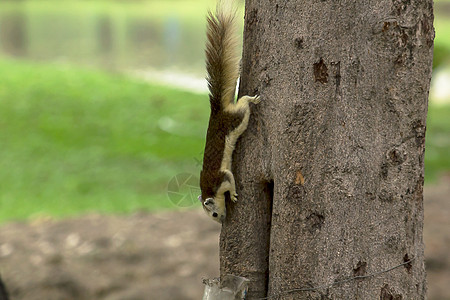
(155, 256)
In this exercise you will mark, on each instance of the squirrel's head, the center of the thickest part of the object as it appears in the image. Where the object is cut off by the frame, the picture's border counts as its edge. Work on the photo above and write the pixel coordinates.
(214, 207)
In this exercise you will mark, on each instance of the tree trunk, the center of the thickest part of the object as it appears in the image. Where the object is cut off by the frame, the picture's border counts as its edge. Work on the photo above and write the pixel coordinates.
(330, 170)
(3, 293)
(13, 33)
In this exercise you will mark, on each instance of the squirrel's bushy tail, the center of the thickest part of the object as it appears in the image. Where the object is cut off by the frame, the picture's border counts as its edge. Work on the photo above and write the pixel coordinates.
(222, 61)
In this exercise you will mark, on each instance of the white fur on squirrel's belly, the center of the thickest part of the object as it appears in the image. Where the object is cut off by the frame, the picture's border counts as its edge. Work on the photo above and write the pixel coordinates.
(231, 138)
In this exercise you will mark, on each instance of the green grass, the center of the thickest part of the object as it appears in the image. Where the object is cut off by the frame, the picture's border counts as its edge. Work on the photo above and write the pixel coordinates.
(74, 140)
(437, 144)
(442, 27)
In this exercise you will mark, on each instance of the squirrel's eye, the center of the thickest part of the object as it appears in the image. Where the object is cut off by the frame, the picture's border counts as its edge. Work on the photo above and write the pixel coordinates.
(214, 215)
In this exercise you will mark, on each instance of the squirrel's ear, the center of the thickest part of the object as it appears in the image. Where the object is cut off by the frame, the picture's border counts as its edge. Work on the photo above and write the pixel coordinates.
(200, 198)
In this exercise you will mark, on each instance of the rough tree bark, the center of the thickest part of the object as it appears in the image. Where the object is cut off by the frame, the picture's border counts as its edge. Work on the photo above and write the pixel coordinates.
(330, 170)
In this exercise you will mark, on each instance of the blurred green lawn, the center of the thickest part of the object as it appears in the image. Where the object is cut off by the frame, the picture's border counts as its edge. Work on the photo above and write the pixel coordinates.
(75, 140)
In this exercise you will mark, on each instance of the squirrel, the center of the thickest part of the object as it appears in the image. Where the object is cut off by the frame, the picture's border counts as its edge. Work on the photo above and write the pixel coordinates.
(228, 120)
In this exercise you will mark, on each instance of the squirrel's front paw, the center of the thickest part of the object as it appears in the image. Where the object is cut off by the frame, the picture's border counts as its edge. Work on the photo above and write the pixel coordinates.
(234, 197)
(255, 99)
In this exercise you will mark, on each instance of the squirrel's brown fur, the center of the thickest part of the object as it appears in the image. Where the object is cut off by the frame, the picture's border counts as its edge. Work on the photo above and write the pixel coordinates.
(228, 120)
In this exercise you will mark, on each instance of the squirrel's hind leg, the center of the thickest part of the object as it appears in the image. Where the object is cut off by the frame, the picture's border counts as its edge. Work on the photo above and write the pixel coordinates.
(229, 176)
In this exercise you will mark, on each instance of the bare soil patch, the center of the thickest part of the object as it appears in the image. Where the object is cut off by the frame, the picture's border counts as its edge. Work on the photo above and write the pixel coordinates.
(155, 256)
